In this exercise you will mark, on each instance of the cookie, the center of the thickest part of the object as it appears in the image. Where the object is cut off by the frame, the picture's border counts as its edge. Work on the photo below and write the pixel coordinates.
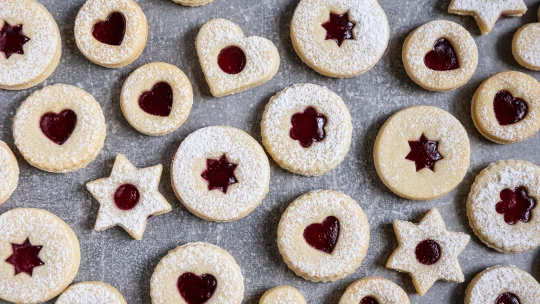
(374, 290)
(440, 56)
(111, 33)
(422, 153)
(9, 172)
(323, 236)
(39, 255)
(197, 273)
(503, 285)
(502, 206)
(193, 2)
(156, 98)
(340, 38)
(282, 295)
(525, 46)
(307, 129)
(428, 252)
(232, 62)
(91, 293)
(31, 45)
(506, 107)
(220, 173)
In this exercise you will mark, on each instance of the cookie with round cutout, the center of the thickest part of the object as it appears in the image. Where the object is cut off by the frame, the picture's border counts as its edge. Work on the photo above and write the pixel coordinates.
(91, 293)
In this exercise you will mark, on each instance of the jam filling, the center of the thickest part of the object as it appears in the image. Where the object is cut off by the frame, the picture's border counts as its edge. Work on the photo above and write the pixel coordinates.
(369, 300)
(339, 28)
(428, 252)
(509, 110)
(232, 60)
(58, 127)
(442, 57)
(308, 127)
(324, 236)
(516, 205)
(507, 298)
(158, 101)
(12, 40)
(219, 173)
(424, 153)
(25, 257)
(112, 30)
(196, 289)
(126, 197)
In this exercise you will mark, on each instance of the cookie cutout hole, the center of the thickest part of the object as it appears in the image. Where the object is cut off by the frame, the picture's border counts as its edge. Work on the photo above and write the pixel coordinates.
(428, 252)
(196, 289)
(25, 257)
(424, 153)
(157, 101)
(126, 197)
(507, 298)
(12, 40)
(515, 205)
(369, 300)
(219, 174)
(232, 60)
(339, 28)
(58, 127)
(508, 109)
(323, 236)
(442, 57)
(308, 127)
(112, 30)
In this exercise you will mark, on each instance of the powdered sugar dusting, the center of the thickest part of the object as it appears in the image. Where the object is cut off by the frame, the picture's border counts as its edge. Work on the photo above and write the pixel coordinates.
(383, 290)
(526, 45)
(487, 12)
(91, 293)
(282, 295)
(9, 172)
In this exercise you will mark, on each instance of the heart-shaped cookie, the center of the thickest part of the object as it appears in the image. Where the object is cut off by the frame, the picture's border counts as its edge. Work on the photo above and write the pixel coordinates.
(58, 127)
(232, 62)
(196, 289)
(524, 46)
(323, 236)
(112, 30)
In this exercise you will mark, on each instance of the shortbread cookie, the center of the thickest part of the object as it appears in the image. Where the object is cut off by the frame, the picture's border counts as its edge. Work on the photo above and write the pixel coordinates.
(30, 44)
(525, 46)
(39, 255)
(428, 252)
(232, 62)
(91, 293)
(323, 236)
(282, 295)
(59, 128)
(440, 55)
(197, 273)
(156, 98)
(193, 2)
(307, 129)
(340, 38)
(503, 285)
(9, 172)
(486, 13)
(422, 153)
(111, 33)
(506, 107)
(374, 290)
(220, 173)
(502, 206)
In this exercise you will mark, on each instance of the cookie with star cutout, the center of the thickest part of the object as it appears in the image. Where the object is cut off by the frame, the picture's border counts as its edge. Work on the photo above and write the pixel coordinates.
(374, 290)
(526, 45)
(282, 295)
(91, 293)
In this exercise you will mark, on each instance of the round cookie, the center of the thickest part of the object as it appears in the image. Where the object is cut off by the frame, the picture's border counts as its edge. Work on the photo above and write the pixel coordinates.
(32, 45)
(503, 284)
(506, 107)
(39, 255)
(373, 288)
(282, 295)
(340, 38)
(111, 33)
(525, 46)
(9, 172)
(323, 236)
(307, 129)
(197, 273)
(156, 98)
(193, 2)
(440, 55)
(502, 206)
(59, 128)
(220, 173)
(422, 153)
(91, 293)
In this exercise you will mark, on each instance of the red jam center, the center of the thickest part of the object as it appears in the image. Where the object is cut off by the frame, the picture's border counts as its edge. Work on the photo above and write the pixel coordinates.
(12, 40)
(126, 197)
(507, 298)
(516, 205)
(442, 57)
(308, 127)
(369, 300)
(112, 30)
(25, 257)
(424, 153)
(339, 28)
(232, 60)
(509, 110)
(219, 174)
(323, 236)
(196, 289)
(58, 127)
(158, 101)
(428, 252)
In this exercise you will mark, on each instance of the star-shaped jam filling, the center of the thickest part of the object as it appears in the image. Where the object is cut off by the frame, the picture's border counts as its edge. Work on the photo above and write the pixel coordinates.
(424, 153)
(515, 205)
(25, 257)
(219, 173)
(308, 127)
(12, 40)
(339, 28)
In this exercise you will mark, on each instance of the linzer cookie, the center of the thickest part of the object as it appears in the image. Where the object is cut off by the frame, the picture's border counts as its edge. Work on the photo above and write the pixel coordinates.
(282, 295)
(374, 290)
(526, 46)
(91, 293)
(9, 172)
(193, 2)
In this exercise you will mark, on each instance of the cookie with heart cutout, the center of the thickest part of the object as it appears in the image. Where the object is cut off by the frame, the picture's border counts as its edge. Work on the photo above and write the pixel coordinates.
(232, 62)
(282, 295)
(9, 172)
(31, 45)
(374, 290)
(91, 293)
(111, 33)
(59, 128)
(323, 236)
(526, 45)
(193, 2)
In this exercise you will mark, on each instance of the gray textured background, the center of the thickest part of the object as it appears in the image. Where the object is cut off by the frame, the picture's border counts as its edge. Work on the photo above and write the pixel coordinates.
(113, 257)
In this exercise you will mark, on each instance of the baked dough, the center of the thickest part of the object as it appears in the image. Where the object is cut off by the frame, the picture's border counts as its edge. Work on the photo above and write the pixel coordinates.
(193, 2)
(526, 45)
(379, 289)
(282, 295)
(9, 172)
(91, 293)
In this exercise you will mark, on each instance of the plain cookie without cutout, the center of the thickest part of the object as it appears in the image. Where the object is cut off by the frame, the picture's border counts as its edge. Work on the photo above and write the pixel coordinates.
(91, 293)
(381, 290)
(193, 2)
(526, 45)
(9, 172)
(282, 295)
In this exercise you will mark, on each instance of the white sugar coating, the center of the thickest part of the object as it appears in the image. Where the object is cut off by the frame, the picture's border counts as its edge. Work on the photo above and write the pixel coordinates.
(487, 12)
(9, 172)
(282, 295)
(91, 293)
(322, 156)
(383, 290)
(526, 45)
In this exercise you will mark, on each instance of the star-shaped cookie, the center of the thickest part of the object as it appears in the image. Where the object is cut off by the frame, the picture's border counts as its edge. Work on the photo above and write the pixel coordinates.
(128, 197)
(487, 12)
(428, 252)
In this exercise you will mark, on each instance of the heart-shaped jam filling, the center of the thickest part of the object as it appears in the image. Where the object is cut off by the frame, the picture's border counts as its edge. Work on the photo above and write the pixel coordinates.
(516, 205)
(369, 300)
(232, 60)
(126, 197)
(158, 101)
(507, 298)
(308, 127)
(509, 110)
(112, 30)
(25, 257)
(428, 252)
(12, 40)
(58, 127)
(196, 289)
(442, 57)
(219, 173)
(323, 236)
(339, 28)
(424, 153)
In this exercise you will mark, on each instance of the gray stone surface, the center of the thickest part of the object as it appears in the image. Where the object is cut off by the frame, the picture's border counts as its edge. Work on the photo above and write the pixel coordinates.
(113, 257)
